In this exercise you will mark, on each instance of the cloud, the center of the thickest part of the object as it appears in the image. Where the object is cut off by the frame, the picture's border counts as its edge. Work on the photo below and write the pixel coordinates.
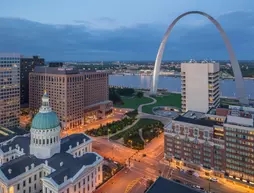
(106, 19)
(140, 42)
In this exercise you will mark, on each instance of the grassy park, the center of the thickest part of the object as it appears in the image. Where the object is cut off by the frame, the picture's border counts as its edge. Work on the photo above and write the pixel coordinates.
(150, 129)
(133, 102)
(171, 99)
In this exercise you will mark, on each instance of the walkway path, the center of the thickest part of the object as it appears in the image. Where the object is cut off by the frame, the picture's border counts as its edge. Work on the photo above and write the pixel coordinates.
(127, 127)
(151, 103)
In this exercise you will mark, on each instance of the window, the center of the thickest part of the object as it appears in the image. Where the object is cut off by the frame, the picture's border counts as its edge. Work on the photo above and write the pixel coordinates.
(186, 130)
(206, 134)
(88, 178)
(75, 188)
(79, 185)
(40, 174)
(67, 190)
(196, 132)
(177, 129)
(29, 180)
(18, 186)
(84, 181)
(35, 186)
(35, 176)
(29, 189)
(24, 183)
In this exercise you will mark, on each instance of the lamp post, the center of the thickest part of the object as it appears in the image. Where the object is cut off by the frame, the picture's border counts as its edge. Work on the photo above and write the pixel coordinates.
(108, 133)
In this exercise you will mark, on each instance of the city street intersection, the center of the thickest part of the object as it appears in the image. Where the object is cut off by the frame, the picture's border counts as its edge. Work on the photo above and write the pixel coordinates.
(149, 164)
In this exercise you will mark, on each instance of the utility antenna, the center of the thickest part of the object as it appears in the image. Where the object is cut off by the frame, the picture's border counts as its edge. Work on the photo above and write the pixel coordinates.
(45, 83)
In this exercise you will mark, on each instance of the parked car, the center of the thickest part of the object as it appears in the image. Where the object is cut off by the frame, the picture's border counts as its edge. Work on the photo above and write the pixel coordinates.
(213, 179)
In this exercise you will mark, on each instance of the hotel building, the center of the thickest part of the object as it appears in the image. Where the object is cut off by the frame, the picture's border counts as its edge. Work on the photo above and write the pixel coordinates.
(78, 97)
(200, 86)
(220, 141)
(9, 90)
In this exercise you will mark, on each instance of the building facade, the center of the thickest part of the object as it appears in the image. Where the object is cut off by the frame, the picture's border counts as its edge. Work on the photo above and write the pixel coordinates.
(9, 90)
(239, 142)
(27, 65)
(219, 142)
(78, 97)
(42, 162)
(200, 86)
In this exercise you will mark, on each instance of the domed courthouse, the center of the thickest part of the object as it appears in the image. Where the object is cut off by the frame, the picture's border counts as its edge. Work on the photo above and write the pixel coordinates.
(43, 162)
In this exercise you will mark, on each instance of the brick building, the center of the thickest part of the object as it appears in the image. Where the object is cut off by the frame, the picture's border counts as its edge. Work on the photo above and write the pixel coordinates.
(220, 141)
(78, 97)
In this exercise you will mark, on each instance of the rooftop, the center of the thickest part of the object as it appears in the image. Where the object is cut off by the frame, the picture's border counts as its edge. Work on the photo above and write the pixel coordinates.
(63, 163)
(72, 141)
(6, 134)
(62, 70)
(194, 114)
(162, 185)
(202, 121)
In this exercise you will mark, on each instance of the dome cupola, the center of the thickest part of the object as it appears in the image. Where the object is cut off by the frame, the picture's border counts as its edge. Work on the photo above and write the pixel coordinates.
(45, 131)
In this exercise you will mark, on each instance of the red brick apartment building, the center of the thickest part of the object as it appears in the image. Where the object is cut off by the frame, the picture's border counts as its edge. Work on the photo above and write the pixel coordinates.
(78, 97)
(219, 142)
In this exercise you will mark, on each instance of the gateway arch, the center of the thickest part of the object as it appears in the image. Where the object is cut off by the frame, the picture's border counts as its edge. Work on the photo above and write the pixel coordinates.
(240, 89)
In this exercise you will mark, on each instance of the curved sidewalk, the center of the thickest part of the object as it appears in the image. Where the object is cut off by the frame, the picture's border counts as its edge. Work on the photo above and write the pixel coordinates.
(142, 105)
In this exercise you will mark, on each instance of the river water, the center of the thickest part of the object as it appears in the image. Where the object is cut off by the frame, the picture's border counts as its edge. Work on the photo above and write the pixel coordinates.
(173, 84)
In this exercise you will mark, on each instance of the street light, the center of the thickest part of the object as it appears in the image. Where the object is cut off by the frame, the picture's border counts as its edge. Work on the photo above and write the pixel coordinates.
(108, 134)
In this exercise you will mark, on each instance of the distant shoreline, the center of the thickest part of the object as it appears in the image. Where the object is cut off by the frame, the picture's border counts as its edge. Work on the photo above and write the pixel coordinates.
(171, 75)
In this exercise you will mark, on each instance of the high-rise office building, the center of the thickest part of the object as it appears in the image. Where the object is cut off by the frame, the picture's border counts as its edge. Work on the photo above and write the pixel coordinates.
(27, 65)
(200, 86)
(78, 97)
(9, 90)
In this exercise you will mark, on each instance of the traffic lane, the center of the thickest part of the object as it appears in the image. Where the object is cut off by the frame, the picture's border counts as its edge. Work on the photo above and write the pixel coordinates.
(112, 152)
(119, 182)
(204, 183)
(139, 187)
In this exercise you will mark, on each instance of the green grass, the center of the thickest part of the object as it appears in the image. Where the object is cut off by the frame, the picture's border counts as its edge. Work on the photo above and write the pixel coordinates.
(171, 99)
(134, 102)
(141, 123)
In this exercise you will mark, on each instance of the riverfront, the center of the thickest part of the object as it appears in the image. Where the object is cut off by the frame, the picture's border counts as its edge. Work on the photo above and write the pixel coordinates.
(173, 84)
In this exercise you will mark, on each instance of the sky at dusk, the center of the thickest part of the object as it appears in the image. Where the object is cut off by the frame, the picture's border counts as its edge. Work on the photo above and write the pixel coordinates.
(124, 30)
(116, 13)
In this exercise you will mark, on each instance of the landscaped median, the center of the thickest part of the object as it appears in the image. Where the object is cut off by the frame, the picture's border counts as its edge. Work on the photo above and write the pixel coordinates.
(115, 126)
(139, 134)
(170, 99)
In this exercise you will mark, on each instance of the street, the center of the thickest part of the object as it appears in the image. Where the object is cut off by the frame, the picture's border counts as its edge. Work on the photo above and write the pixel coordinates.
(149, 164)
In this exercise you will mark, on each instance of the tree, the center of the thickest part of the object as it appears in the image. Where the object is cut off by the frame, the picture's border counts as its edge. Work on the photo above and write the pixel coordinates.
(140, 94)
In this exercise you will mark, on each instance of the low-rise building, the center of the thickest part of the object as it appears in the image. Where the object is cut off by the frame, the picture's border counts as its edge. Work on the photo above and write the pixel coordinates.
(42, 162)
(220, 142)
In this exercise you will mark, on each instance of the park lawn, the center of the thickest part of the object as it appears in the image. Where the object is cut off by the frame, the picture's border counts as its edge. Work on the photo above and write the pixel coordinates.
(134, 102)
(141, 123)
(171, 99)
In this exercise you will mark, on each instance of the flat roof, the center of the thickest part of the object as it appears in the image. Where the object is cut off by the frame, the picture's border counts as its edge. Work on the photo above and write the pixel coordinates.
(64, 70)
(163, 185)
(194, 114)
(202, 122)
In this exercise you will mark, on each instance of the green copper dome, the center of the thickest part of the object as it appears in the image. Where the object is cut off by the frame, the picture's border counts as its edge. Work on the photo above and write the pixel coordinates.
(48, 120)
